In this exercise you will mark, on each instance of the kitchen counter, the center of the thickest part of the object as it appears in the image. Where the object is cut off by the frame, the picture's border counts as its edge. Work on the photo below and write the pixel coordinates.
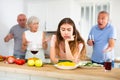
(24, 72)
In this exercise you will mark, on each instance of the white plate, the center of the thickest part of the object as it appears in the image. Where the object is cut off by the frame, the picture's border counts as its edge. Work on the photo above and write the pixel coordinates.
(66, 67)
(82, 63)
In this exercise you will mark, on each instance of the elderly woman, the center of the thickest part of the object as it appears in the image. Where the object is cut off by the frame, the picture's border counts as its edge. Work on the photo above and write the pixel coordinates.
(33, 41)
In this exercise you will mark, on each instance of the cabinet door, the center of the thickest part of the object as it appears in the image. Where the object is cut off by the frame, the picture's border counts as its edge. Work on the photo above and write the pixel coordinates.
(37, 8)
(56, 11)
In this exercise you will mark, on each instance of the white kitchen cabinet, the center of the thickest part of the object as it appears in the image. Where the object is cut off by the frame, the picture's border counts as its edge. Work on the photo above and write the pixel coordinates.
(18, 76)
(37, 8)
(51, 12)
(60, 9)
(56, 10)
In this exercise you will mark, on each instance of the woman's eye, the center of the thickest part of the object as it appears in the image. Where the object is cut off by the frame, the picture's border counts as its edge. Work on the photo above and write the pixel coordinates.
(69, 29)
(62, 29)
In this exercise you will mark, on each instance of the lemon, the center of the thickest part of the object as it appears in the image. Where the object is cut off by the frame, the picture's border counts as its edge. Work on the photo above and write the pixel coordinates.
(38, 63)
(30, 62)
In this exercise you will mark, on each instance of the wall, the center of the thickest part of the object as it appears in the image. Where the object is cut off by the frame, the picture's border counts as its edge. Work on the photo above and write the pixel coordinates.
(9, 9)
(51, 12)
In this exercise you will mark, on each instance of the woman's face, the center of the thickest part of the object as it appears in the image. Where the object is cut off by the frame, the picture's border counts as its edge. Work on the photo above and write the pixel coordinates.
(34, 27)
(66, 31)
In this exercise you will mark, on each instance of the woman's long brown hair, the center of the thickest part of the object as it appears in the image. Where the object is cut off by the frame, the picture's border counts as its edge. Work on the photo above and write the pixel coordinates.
(73, 44)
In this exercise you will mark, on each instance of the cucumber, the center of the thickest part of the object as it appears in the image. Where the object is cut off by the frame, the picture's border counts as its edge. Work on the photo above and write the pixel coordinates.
(64, 61)
(88, 64)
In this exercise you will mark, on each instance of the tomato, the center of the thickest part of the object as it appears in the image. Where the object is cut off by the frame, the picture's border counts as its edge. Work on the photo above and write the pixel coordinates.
(11, 59)
(20, 61)
(23, 61)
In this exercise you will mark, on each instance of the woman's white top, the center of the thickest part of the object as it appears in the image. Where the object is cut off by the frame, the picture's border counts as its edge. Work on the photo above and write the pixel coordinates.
(34, 38)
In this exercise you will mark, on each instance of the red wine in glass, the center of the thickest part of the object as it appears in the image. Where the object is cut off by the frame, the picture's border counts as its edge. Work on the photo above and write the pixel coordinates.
(34, 52)
(93, 42)
(92, 38)
(107, 65)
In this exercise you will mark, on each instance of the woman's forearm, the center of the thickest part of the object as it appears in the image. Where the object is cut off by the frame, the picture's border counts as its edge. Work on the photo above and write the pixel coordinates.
(68, 51)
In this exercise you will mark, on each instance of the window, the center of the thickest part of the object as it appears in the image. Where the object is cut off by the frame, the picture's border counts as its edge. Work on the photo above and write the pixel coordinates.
(89, 13)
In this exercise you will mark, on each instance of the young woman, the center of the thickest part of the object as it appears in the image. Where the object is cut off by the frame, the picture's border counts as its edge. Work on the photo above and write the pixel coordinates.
(34, 38)
(67, 44)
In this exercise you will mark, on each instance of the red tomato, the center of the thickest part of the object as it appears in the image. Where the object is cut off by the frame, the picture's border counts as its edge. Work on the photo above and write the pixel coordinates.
(20, 61)
(11, 59)
(23, 61)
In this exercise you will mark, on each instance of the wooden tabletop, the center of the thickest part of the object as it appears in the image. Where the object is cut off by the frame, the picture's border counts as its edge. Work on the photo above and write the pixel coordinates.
(96, 73)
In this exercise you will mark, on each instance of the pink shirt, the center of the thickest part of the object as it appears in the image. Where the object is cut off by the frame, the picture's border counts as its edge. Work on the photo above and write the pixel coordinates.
(62, 54)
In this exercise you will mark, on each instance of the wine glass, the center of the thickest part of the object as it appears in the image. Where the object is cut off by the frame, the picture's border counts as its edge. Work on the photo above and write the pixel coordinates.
(91, 37)
(107, 61)
(34, 48)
